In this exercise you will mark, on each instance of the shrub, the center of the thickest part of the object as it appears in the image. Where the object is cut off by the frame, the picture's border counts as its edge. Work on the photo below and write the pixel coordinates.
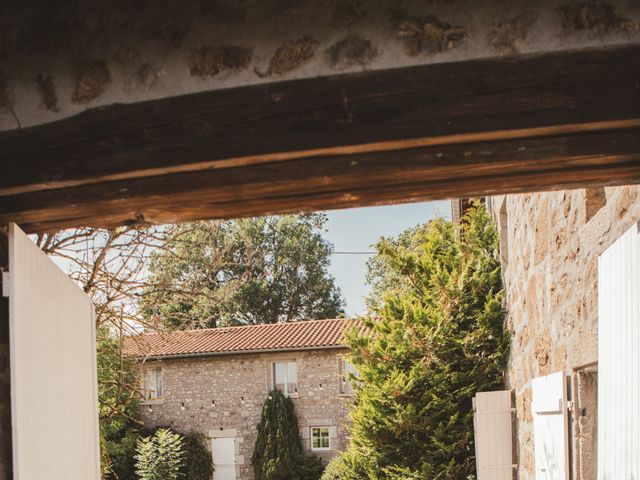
(308, 467)
(121, 452)
(160, 457)
(346, 466)
(198, 464)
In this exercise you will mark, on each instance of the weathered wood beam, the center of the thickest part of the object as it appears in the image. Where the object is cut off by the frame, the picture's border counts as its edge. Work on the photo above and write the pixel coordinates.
(423, 173)
(388, 110)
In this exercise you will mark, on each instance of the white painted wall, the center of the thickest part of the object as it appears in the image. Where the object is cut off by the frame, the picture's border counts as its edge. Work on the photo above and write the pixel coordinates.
(619, 359)
(53, 369)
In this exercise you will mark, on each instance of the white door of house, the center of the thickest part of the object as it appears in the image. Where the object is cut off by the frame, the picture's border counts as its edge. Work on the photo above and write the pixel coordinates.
(54, 403)
(224, 458)
(550, 427)
(619, 359)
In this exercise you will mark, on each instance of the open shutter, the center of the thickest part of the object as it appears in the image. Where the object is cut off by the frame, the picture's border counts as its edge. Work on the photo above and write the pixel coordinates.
(550, 427)
(619, 359)
(492, 421)
(53, 369)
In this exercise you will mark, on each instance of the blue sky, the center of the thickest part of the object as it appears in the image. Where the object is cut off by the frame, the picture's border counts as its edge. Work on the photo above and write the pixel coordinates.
(355, 230)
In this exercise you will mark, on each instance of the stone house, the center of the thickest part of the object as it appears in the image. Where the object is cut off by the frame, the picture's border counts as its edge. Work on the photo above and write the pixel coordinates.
(550, 244)
(215, 382)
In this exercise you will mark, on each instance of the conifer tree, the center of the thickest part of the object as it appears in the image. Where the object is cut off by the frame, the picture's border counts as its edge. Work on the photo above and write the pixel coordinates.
(436, 342)
(278, 444)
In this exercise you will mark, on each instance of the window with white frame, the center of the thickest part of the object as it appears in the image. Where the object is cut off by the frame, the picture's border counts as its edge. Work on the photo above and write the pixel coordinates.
(285, 377)
(347, 373)
(153, 383)
(320, 438)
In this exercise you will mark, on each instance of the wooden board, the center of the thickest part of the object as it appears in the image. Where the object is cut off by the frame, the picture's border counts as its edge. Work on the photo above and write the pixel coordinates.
(445, 130)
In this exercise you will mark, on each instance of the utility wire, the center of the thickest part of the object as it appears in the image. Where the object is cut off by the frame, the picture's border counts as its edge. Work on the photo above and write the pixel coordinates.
(353, 253)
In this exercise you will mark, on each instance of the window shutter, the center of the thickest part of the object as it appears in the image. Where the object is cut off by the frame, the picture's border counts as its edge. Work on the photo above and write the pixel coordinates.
(493, 434)
(550, 427)
(53, 369)
(619, 359)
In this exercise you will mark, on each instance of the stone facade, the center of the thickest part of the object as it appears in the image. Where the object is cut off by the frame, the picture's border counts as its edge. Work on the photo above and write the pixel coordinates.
(550, 243)
(221, 396)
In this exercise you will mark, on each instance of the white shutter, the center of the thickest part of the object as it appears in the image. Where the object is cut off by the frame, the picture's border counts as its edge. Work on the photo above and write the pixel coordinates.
(492, 421)
(53, 369)
(550, 427)
(619, 359)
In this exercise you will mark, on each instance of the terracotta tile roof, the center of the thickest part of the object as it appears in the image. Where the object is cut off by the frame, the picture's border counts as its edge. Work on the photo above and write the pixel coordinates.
(314, 334)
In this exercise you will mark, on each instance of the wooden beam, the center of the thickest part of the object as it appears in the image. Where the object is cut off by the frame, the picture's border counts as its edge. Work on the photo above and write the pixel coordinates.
(480, 168)
(330, 142)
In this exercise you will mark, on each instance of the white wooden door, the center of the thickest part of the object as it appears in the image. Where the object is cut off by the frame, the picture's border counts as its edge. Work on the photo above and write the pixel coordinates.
(54, 402)
(619, 359)
(492, 420)
(224, 458)
(550, 427)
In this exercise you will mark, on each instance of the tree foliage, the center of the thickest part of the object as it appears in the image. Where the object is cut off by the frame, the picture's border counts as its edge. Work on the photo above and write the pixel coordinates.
(436, 342)
(278, 452)
(242, 272)
(160, 457)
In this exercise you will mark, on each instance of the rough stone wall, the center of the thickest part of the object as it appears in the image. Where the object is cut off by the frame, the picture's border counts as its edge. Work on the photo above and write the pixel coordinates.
(223, 396)
(6, 471)
(550, 245)
(60, 58)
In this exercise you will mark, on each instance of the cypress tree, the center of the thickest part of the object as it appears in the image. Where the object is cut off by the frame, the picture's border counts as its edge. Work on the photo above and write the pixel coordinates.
(437, 341)
(278, 446)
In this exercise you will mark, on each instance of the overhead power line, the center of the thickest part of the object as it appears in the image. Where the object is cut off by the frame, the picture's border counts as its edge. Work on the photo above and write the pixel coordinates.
(354, 253)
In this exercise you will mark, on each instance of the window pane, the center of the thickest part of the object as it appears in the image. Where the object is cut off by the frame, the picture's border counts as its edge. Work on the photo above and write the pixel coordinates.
(150, 384)
(280, 375)
(320, 438)
(292, 386)
(159, 383)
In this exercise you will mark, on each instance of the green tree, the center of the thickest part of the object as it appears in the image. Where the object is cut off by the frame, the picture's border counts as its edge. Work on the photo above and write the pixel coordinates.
(436, 342)
(278, 442)
(160, 457)
(242, 272)
(278, 452)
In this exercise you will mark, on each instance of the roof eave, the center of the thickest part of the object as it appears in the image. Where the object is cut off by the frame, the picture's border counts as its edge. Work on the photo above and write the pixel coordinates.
(236, 352)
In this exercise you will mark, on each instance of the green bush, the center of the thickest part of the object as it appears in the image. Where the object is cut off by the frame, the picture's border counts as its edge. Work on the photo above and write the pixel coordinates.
(346, 466)
(160, 457)
(121, 452)
(198, 464)
(308, 467)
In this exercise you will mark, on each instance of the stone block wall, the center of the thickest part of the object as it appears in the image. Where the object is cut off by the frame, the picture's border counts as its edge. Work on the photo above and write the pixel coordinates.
(223, 397)
(550, 243)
